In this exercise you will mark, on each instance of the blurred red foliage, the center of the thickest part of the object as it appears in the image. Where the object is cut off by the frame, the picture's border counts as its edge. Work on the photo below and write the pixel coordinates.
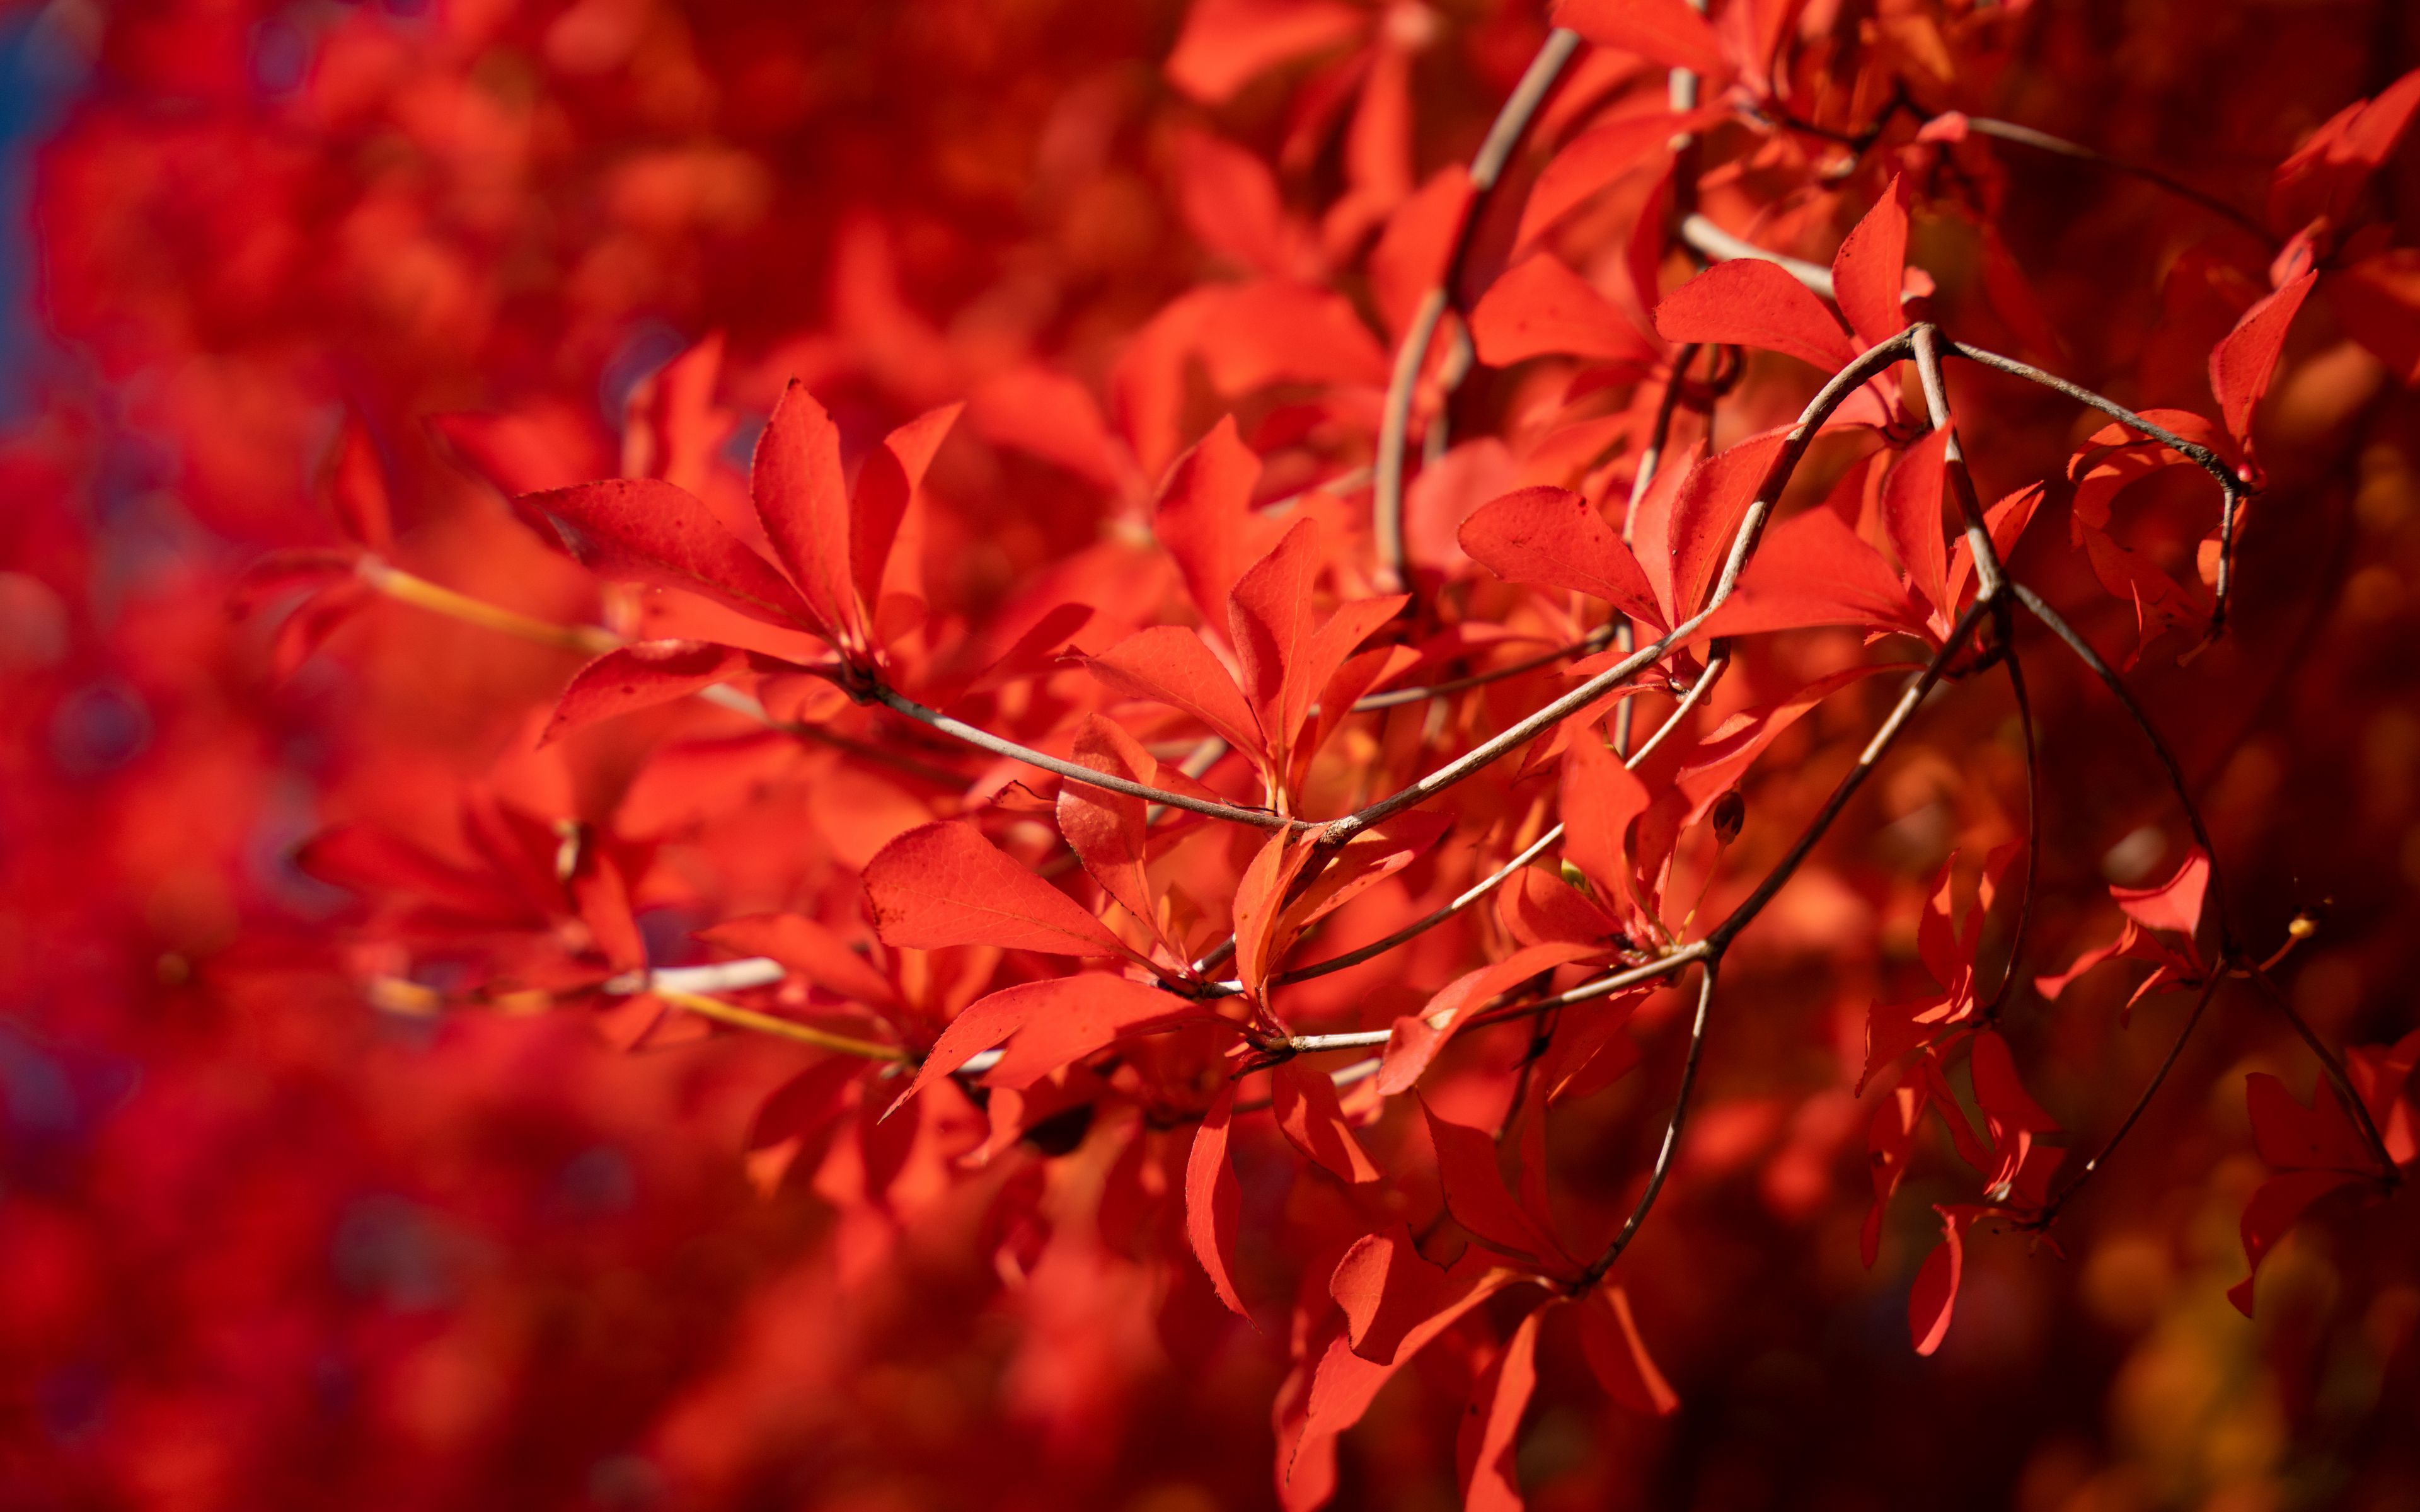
(463, 923)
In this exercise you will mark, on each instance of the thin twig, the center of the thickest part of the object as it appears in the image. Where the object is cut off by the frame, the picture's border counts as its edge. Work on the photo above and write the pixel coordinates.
(2016, 671)
(1720, 936)
(2135, 711)
(2050, 1209)
(2044, 142)
(1481, 888)
(409, 588)
(1395, 421)
(1874, 360)
(2334, 1070)
(1258, 818)
(744, 1018)
(1718, 245)
(2231, 486)
(1604, 1263)
(1650, 458)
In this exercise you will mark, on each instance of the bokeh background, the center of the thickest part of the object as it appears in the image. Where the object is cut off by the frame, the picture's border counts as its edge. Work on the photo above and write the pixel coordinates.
(264, 1243)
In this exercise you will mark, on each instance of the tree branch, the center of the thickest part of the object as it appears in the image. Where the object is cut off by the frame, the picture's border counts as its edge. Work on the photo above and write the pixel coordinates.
(1395, 422)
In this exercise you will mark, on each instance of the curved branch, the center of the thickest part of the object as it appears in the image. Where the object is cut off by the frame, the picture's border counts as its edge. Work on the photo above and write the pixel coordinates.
(1718, 245)
(2061, 147)
(2109, 679)
(1073, 772)
(1843, 383)
(1671, 1145)
(1395, 423)
(2050, 1209)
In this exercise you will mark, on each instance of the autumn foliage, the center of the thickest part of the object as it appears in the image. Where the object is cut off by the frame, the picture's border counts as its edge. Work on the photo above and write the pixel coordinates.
(1231, 752)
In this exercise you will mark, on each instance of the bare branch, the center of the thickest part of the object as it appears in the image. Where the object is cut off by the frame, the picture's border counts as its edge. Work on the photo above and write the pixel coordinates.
(2033, 820)
(2044, 142)
(2135, 711)
(1671, 1145)
(1395, 423)
(2334, 1070)
(1874, 360)
(1074, 772)
(1720, 936)
(1718, 245)
(2050, 1209)
(744, 1018)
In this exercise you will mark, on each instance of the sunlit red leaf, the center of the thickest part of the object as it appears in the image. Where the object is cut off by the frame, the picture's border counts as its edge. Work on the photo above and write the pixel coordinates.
(944, 883)
(1752, 303)
(640, 676)
(1212, 1198)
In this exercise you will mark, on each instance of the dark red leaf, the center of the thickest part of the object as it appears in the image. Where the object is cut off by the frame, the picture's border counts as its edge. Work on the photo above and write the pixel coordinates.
(1610, 1337)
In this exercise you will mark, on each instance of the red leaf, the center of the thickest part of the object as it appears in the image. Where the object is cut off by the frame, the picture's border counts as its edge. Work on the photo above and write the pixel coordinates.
(1872, 266)
(1492, 1420)
(1268, 617)
(1310, 1113)
(2006, 521)
(1554, 538)
(1540, 308)
(1169, 664)
(1108, 830)
(357, 489)
(2379, 300)
(802, 498)
(1049, 1024)
(1387, 1288)
(1417, 1038)
(302, 633)
(1812, 570)
(1601, 798)
(2173, 904)
(1411, 255)
(1231, 204)
(1714, 497)
(806, 948)
(1260, 903)
(1049, 415)
(1228, 43)
(1201, 516)
(2276, 1206)
(646, 531)
(1596, 157)
(2009, 1111)
(1609, 1338)
(1747, 302)
(641, 676)
(1213, 1200)
(943, 884)
(2292, 1137)
(889, 478)
(1475, 1193)
(2243, 365)
(1911, 512)
(1936, 1293)
(1348, 1383)
(1664, 31)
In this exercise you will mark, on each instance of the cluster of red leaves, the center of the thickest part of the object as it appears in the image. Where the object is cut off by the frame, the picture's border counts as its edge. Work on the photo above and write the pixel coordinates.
(1024, 967)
